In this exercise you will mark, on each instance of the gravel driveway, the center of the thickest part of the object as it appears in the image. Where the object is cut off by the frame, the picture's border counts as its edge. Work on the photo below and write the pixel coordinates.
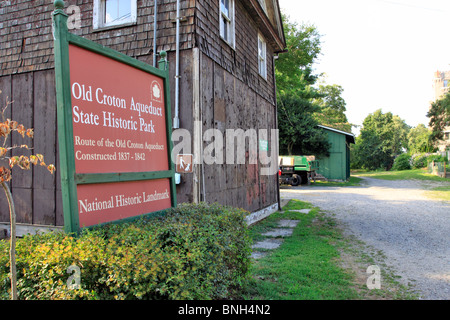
(396, 217)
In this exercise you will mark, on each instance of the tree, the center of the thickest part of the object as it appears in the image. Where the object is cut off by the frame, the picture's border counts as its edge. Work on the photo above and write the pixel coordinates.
(382, 138)
(439, 115)
(293, 68)
(299, 133)
(7, 126)
(332, 107)
(419, 140)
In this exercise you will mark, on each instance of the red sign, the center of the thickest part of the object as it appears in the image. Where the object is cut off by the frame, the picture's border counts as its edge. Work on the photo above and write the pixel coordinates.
(114, 131)
(119, 126)
(119, 121)
(119, 200)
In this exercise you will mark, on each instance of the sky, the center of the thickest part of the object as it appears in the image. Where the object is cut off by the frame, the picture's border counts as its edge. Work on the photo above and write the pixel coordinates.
(384, 53)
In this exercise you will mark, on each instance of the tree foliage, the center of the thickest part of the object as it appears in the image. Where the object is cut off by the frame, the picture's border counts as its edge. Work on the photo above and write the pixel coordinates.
(419, 140)
(298, 131)
(293, 69)
(439, 115)
(383, 137)
(332, 108)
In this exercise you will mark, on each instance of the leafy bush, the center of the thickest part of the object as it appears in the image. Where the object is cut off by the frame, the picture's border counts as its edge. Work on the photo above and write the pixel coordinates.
(423, 159)
(402, 162)
(436, 158)
(193, 252)
(419, 161)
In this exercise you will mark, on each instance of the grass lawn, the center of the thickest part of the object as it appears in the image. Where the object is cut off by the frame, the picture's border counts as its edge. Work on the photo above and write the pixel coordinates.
(440, 192)
(415, 174)
(307, 265)
(352, 182)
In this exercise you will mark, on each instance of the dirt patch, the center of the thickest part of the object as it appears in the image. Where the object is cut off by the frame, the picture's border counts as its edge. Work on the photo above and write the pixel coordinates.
(356, 269)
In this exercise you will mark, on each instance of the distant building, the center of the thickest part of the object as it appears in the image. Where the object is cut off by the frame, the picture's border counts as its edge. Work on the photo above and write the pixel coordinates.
(441, 85)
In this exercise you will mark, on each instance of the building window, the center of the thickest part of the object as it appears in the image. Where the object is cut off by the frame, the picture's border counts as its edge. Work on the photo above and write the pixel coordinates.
(111, 13)
(227, 21)
(262, 57)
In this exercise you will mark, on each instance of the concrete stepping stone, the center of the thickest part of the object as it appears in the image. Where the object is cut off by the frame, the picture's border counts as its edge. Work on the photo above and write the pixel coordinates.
(258, 255)
(286, 228)
(305, 211)
(279, 233)
(288, 223)
(268, 244)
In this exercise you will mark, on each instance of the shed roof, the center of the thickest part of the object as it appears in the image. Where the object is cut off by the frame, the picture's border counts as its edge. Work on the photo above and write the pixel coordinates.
(350, 137)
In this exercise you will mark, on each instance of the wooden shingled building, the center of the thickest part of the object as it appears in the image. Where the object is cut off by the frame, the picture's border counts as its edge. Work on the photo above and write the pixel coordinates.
(221, 57)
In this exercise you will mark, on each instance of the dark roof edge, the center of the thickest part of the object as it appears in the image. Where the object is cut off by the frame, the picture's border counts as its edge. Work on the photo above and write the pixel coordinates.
(339, 131)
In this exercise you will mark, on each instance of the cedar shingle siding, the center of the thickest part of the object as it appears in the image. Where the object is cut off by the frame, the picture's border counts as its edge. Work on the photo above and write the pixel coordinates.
(26, 42)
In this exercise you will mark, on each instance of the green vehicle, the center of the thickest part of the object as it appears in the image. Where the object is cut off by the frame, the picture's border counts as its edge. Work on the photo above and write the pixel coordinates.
(295, 170)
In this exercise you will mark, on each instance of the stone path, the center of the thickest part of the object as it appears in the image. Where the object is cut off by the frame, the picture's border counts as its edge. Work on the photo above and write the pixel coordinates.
(274, 238)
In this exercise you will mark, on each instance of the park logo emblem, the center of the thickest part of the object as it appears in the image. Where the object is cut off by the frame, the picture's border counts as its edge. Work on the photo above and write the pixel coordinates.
(156, 92)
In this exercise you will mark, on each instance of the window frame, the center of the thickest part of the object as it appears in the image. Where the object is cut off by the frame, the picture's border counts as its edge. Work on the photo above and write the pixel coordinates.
(262, 59)
(229, 38)
(263, 5)
(98, 16)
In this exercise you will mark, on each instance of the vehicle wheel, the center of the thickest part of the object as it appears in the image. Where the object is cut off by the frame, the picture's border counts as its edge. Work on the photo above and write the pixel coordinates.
(296, 180)
(304, 178)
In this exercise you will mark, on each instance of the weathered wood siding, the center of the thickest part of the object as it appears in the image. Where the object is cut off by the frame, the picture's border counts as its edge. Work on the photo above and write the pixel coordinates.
(242, 61)
(26, 41)
(235, 96)
(228, 103)
(36, 192)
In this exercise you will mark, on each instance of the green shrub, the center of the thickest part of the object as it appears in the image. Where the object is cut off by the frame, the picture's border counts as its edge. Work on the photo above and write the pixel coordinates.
(436, 158)
(402, 162)
(419, 161)
(194, 252)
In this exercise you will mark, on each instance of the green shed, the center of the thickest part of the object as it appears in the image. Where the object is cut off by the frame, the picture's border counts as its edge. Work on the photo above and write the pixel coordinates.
(337, 165)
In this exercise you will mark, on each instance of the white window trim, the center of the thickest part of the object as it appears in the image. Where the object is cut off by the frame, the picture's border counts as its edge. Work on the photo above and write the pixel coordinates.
(263, 58)
(231, 19)
(98, 16)
(263, 5)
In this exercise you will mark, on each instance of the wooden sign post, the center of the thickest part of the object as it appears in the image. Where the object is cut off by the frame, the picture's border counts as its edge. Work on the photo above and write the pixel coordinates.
(114, 132)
